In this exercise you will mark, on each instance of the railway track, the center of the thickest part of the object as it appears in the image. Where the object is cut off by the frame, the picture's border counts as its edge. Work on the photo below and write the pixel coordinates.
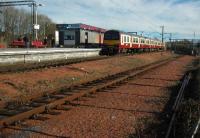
(57, 101)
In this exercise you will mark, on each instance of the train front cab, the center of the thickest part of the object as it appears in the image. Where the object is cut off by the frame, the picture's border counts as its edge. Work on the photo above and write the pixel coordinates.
(111, 43)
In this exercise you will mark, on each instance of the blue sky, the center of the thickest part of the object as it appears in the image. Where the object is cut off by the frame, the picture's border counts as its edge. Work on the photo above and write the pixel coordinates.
(180, 17)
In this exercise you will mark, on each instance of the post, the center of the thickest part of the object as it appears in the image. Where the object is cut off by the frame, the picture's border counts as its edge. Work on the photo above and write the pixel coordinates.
(170, 40)
(193, 44)
(162, 33)
(36, 31)
(33, 20)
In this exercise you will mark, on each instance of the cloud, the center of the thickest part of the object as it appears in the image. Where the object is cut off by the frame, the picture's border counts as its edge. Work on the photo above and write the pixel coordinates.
(178, 16)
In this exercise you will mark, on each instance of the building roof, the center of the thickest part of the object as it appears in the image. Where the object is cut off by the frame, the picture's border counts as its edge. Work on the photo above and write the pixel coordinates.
(79, 26)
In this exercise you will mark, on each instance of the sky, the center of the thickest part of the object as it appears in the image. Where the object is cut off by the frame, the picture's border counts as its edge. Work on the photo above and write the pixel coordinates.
(180, 17)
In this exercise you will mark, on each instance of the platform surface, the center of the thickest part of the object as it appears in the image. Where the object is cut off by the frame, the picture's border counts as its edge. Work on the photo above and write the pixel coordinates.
(11, 56)
(22, 51)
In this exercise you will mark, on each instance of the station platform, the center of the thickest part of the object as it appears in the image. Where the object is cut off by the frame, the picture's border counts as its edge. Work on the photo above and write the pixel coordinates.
(12, 55)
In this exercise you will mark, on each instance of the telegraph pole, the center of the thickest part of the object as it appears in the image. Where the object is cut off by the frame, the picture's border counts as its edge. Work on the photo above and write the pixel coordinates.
(162, 33)
(170, 37)
(193, 45)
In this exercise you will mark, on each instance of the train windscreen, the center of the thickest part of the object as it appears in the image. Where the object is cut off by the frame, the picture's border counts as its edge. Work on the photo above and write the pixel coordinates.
(111, 35)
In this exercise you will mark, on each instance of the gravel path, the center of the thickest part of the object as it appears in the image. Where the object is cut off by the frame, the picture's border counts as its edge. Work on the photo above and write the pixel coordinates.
(114, 112)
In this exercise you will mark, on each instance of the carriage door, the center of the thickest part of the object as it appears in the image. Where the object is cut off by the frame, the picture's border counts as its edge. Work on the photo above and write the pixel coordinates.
(86, 38)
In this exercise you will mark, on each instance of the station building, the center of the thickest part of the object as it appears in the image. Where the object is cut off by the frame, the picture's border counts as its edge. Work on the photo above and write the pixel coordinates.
(79, 35)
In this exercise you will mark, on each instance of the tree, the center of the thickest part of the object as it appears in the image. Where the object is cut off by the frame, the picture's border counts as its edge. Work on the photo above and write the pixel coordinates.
(17, 22)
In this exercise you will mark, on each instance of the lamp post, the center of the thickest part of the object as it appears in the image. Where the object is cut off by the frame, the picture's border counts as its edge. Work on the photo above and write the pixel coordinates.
(36, 25)
(1, 21)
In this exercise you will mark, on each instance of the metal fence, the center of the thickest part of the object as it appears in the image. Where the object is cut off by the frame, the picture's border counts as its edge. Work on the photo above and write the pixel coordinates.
(184, 46)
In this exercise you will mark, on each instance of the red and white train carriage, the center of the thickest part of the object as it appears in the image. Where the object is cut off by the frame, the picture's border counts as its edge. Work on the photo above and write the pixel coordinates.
(116, 42)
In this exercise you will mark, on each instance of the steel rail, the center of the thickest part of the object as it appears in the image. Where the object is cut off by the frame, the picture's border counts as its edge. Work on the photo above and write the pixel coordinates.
(196, 129)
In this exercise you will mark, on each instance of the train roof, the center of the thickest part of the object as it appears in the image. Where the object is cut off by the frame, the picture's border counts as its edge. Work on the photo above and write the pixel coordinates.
(79, 26)
(128, 33)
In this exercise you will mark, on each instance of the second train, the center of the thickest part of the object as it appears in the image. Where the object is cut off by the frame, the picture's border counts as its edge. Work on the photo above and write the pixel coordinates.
(121, 42)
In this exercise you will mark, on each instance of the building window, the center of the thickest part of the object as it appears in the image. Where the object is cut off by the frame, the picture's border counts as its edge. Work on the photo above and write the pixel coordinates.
(69, 37)
(125, 39)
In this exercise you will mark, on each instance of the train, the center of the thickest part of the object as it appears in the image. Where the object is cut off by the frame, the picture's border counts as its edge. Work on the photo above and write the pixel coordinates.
(116, 41)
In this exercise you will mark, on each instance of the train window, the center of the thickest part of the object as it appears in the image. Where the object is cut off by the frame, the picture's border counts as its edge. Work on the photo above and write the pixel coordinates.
(136, 40)
(142, 41)
(112, 35)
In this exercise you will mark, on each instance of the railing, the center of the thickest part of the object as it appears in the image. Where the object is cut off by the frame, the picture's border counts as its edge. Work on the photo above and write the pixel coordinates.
(177, 103)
